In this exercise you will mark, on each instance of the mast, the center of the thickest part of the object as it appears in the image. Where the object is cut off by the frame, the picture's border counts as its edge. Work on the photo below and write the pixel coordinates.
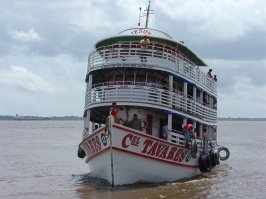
(148, 14)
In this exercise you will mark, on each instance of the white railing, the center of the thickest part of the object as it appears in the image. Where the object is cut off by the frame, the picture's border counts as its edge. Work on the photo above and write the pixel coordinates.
(112, 56)
(149, 95)
(178, 138)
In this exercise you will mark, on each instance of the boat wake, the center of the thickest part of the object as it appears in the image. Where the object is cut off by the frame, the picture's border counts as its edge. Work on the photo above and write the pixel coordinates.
(87, 179)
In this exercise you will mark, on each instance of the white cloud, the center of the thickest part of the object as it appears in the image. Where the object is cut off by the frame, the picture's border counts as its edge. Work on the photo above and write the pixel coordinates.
(245, 101)
(20, 77)
(221, 19)
(25, 36)
(103, 16)
(241, 87)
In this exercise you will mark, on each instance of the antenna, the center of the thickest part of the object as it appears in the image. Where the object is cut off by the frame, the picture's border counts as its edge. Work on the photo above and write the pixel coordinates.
(146, 13)
(139, 15)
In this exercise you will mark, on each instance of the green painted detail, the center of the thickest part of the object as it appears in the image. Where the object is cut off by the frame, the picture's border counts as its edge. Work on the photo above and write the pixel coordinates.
(182, 48)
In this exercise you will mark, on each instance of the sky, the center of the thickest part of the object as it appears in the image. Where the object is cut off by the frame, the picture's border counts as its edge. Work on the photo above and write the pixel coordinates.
(44, 46)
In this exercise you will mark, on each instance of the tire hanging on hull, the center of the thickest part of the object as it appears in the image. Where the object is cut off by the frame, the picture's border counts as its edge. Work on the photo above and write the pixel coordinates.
(81, 153)
(194, 149)
(205, 163)
(215, 159)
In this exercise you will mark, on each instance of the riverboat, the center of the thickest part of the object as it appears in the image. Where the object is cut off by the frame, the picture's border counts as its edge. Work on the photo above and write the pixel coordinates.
(162, 87)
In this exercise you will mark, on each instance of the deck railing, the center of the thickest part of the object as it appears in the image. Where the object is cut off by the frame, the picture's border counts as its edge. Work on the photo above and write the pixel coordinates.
(166, 59)
(178, 138)
(149, 94)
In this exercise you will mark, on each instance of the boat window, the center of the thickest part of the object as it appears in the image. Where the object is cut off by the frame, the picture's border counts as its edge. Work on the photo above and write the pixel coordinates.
(119, 78)
(140, 79)
(125, 45)
(129, 78)
(151, 79)
(135, 45)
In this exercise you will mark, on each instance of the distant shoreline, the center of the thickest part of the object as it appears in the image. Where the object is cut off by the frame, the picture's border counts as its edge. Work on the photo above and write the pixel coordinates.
(241, 119)
(39, 118)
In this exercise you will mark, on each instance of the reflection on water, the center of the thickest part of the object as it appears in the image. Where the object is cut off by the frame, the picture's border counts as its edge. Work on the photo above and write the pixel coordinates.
(39, 160)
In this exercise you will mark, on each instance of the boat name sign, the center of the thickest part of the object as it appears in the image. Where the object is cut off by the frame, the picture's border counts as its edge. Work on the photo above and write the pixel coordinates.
(95, 143)
(154, 148)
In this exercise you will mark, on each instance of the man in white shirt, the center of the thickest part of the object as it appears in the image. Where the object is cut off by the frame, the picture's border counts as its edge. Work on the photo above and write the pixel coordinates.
(144, 45)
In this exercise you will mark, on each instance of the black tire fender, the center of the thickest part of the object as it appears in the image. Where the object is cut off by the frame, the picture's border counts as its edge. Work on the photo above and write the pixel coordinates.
(205, 164)
(212, 157)
(81, 153)
(216, 157)
(194, 149)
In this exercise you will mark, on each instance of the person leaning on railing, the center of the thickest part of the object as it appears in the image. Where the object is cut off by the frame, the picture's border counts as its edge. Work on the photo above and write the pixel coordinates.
(144, 45)
(187, 131)
(210, 73)
(204, 139)
(114, 112)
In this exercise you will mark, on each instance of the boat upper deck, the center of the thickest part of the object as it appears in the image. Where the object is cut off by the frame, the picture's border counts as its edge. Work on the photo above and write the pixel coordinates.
(162, 54)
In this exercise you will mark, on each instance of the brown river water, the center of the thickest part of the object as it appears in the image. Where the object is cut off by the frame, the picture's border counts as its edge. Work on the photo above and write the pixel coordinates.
(38, 159)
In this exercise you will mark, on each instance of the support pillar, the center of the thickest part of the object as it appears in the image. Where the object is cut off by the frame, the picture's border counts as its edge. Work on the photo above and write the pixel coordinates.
(185, 88)
(87, 120)
(171, 91)
(201, 96)
(185, 95)
(170, 119)
(194, 100)
(184, 122)
(200, 130)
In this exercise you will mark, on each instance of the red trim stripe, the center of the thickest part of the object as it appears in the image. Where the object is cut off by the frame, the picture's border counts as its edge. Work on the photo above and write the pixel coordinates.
(154, 158)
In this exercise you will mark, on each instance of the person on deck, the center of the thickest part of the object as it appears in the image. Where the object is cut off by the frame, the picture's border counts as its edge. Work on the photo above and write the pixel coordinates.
(164, 131)
(210, 73)
(187, 131)
(204, 139)
(195, 132)
(114, 112)
(144, 45)
(135, 123)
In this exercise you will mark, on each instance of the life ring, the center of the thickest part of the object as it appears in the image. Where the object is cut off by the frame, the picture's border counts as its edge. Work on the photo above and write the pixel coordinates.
(205, 164)
(226, 150)
(145, 124)
(194, 149)
(81, 153)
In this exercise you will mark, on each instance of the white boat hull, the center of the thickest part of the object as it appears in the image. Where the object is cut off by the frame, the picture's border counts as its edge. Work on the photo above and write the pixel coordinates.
(128, 156)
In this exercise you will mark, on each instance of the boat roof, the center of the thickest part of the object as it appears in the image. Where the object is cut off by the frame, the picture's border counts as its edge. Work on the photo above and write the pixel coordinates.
(134, 34)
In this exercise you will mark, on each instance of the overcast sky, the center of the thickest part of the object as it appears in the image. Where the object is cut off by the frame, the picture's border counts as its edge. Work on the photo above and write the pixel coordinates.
(44, 47)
